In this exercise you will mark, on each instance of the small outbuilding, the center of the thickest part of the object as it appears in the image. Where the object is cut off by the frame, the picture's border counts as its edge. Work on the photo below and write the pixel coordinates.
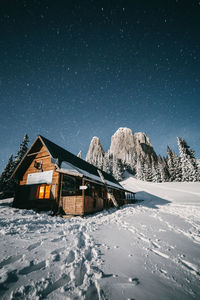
(51, 178)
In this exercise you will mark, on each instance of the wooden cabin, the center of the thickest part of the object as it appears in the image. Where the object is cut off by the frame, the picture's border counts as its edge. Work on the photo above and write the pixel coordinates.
(51, 178)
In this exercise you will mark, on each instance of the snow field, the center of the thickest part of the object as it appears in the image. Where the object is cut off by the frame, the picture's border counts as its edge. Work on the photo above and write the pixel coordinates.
(46, 254)
(147, 250)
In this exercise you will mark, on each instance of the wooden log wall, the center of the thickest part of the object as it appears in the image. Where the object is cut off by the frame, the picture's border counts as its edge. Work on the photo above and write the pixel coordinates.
(47, 165)
(93, 205)
(73, 205)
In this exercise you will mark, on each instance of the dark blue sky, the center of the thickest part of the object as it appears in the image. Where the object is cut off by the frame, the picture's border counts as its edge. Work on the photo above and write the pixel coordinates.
(70, 70)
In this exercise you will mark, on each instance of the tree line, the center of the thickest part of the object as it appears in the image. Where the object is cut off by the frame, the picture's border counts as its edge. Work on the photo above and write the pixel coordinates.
(184, 167)
(8, 184)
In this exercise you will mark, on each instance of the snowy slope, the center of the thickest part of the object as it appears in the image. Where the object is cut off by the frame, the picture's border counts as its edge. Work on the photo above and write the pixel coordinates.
(148, 250)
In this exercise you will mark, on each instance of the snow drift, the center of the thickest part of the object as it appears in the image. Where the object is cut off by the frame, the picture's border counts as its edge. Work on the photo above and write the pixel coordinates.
(147, 250)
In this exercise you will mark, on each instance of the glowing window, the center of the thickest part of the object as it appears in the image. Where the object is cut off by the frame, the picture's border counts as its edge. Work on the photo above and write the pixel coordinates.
(43, 191)
(47, 192)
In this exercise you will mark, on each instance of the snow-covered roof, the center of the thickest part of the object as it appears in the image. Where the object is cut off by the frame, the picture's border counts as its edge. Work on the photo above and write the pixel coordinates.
(83, 173)
(65, 160)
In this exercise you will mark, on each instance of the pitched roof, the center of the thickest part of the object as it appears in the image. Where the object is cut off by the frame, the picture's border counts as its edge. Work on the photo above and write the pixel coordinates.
(64, 157)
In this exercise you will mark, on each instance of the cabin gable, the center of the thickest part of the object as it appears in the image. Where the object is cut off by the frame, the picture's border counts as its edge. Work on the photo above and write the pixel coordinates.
(40, 162)
(38, 182)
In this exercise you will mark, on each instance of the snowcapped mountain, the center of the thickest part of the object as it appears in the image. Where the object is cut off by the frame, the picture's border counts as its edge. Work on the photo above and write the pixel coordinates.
(135, 153)
(96, 152)
(126, 146)
(122, 144)
(125, 150)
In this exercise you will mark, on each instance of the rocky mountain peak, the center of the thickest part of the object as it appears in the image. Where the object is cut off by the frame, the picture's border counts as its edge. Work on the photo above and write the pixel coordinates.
(141, 137)
(95, 151)
(143, 146)
(122, 143)
(125, 148)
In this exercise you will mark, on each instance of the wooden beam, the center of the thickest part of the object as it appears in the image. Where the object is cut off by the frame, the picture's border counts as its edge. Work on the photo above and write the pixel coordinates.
(60, 204)
(62, 171)
(111, 196)
(83, 195)
(35, 153)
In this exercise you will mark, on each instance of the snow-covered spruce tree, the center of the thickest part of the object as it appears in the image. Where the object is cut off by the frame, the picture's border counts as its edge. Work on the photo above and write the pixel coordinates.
(178, 172)
(107, 164)
(163, 169)
(147, 172)
(7, 185)
(130, 162)
(170, 163)
(156, 176)
(99, 162)
(140, 168)
(22, 150)
(198, 166)
(143, 169)
(174, 166)
(188, 161)
(117, 168)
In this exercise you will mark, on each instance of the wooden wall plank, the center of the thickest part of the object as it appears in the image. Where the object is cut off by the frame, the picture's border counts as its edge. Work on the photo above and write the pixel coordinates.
(73, 205)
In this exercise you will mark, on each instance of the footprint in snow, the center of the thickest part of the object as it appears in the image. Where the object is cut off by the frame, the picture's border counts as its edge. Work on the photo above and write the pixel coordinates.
(33, 246)
(88, 254)
(56, 257)
(80, 242)
(70, 258)
(57, 240)
(10, 260)
(134, 281)
(79, 272)
(92, 292)
(32, 268)
(11, 278)
(61, 282)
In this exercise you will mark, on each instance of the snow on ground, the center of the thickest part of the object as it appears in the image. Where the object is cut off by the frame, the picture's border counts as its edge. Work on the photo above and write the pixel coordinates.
(147, 250)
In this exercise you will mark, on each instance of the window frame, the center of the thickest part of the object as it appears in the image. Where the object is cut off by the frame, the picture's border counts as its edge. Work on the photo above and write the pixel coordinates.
(45, 194)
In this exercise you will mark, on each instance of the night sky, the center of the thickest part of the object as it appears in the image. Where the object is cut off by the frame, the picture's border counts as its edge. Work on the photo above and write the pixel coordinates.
(70, 70)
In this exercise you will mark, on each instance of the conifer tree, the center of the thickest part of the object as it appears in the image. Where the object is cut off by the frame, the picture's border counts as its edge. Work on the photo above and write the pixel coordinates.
(170, 163)
(198, 167)
(117, 168)
(7, 184)
(106, 164)
(174, 167)
(156, 176)
(188, 161)
(163, 169)
(22, 150)
(140, 168)
(99, 162)
(147, 172)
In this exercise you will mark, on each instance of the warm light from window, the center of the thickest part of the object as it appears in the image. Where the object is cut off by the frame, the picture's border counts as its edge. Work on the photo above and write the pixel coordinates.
(44, 191)
(47, 192)
(41, 192)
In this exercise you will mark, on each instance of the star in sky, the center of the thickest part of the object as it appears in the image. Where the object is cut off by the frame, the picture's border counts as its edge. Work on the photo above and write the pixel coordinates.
(86, 67)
